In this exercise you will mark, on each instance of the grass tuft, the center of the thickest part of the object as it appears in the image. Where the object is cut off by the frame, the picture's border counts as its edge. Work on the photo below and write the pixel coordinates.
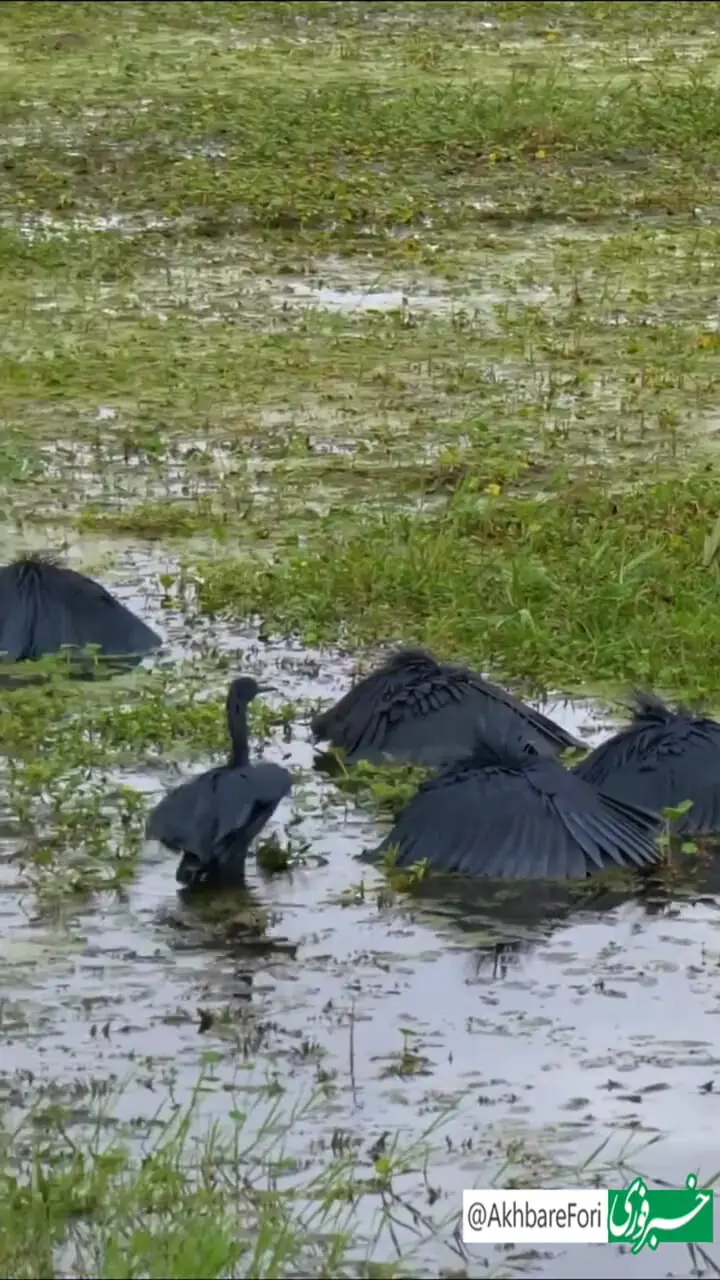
(592, 589)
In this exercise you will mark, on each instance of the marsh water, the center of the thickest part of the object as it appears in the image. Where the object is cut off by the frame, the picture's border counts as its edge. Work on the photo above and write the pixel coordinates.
(230, 294)
(550, 1027)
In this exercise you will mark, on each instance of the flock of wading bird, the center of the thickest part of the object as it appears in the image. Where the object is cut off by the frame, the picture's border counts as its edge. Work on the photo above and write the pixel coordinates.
(499, 804)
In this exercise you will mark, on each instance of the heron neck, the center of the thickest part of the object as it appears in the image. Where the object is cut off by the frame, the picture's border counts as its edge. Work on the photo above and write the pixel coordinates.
(240, 749)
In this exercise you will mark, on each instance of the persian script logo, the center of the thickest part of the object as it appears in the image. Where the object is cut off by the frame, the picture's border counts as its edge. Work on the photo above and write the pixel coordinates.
(641, 1216)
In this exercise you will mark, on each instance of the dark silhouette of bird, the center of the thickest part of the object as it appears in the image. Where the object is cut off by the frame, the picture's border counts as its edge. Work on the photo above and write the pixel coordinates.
(509, 815)
(213, 819)
(45, 607)
(420, 711)
(662, 758)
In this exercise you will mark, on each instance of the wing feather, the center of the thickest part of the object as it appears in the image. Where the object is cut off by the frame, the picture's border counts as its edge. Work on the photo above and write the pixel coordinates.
(658, 762)
(526, 823)
(221, 809)
(74, 610)
(429, 713)
(44, 606)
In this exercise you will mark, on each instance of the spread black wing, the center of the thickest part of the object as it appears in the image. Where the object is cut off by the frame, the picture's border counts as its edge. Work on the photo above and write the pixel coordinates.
(417, 710)
(44, 607)
(661, 759)
(530, 823)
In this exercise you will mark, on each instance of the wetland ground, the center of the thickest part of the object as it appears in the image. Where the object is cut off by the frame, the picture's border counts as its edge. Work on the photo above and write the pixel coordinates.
(328, 325)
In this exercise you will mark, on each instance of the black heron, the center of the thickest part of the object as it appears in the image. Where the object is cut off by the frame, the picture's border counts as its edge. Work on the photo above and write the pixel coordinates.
(420, 711)
(45, 606)
(213, 819)
(509, 815)
(662, 758)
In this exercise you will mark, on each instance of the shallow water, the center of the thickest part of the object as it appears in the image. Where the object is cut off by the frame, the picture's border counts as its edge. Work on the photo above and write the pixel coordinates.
(350, 299)
(560, 1027)
(599, 1020)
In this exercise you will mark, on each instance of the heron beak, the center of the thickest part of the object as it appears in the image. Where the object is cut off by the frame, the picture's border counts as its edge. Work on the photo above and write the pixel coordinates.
(267, 688)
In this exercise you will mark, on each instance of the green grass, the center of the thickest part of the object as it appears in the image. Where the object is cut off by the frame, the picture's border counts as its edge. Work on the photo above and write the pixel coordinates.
(364, 323)
(545, 172)
(591, 590)
(368, 324)
(230, 1203)
(310, 134)
(171, 1200)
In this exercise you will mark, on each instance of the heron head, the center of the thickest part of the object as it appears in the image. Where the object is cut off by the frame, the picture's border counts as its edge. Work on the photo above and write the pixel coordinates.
(410, 659)
(243, 690)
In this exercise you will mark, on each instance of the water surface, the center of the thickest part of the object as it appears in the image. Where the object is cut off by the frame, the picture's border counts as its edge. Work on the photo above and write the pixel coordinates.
(583, 1025)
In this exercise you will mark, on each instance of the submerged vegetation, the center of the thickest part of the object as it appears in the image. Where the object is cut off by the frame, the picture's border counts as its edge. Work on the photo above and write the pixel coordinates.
(233, 1201)
(324, 323)
(217, 1206)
